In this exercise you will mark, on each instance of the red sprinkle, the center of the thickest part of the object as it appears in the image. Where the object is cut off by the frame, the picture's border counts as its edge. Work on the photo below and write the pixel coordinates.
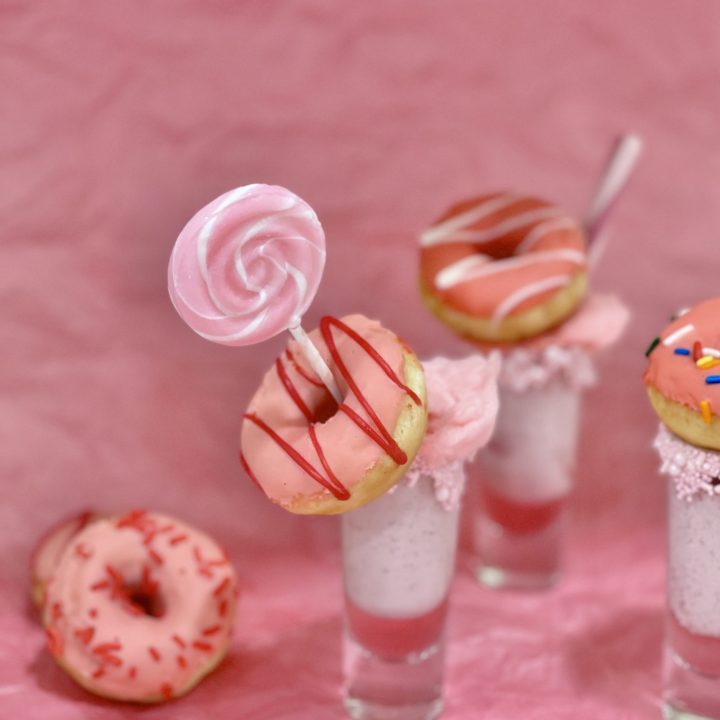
(132, 609)
(166, 690)
(106, 648)
(82, 552)
(54, 640)
(112, 660)
(181, 661)
(85, 635)
(132, 672)
(99, 672)
(179, 641)
(93, 613)
(222, 608)
(200, 645)
(211, 630)
(56, 611)
(155, 556)
(100, 585)
(697, 350)
(218, 590)
(154, 654)
(197, 553)
(205, 572)
(178, 539)
(132, 519)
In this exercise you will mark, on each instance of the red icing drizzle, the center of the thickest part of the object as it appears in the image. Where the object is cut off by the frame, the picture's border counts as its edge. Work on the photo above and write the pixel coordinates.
(301, 371)
(378, 434)
(292, 391)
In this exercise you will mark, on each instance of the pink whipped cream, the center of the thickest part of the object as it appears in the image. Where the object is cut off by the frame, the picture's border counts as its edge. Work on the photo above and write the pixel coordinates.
(694, 470)
(463, 406)
(566, 352)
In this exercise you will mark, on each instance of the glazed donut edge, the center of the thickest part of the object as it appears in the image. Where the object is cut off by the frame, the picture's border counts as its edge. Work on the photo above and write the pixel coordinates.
(514, 328)
(686, 423)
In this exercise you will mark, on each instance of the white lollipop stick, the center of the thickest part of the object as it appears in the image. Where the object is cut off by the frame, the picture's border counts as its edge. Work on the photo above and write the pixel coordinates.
(316, 361)
(617, 172)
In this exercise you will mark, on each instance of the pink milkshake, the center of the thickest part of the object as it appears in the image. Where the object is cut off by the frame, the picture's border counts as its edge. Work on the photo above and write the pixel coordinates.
(399, 554)
(526, 473)
(692, 654)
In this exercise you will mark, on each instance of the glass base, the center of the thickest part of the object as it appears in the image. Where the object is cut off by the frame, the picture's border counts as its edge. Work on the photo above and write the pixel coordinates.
(688, 694)
(519, 544)
(381, 688)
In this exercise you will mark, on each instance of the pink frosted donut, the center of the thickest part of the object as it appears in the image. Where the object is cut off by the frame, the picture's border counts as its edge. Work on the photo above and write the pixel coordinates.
(683, 375)
(140, 607)
(311, 456)
(50, 549)
(503, 267)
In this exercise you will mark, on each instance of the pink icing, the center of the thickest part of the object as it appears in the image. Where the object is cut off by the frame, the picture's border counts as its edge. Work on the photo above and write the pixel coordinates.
(678, 377)
(52, 545)
(695, 471)
(348, 451)
(247, 266)
(110, 644)
(463, 406)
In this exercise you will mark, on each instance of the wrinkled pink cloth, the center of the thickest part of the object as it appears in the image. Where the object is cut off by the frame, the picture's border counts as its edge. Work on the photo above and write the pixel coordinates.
(463, 406)
(120, 120)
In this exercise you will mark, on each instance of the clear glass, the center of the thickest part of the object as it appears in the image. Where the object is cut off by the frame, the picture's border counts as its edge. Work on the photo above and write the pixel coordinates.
(691, 663)
(525, 475)
(398, 562)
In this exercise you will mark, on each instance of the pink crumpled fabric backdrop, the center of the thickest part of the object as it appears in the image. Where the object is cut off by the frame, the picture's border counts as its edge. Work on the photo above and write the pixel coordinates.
(120, 119)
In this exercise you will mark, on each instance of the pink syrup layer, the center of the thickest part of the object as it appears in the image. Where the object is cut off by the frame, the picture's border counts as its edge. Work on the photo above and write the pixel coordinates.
(147, 602)
(347, 450)
(677, 377)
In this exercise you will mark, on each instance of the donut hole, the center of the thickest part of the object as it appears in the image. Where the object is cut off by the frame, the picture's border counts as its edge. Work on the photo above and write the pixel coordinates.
(150, 602)
(324, 409)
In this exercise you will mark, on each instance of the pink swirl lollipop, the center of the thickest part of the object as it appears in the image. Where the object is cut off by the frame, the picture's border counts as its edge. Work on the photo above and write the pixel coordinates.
(247, 266)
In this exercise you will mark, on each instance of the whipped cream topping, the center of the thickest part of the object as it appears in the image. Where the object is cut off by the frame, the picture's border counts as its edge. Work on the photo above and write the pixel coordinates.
(566, 353)
(463, 406)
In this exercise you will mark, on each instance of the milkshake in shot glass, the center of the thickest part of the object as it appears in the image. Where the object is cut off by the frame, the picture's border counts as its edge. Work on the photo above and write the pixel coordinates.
(399, 554)
(527, 472)
(683, 383)
(511, 271)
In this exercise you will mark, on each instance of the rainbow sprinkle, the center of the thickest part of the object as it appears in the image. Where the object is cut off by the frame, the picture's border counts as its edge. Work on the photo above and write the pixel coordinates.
(707, 362)
(681, 351)
(706, 409)
(712, 380)
(652, 346)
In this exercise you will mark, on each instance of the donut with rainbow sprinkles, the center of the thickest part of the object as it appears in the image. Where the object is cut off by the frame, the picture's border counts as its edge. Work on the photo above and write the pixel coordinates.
(683, 375)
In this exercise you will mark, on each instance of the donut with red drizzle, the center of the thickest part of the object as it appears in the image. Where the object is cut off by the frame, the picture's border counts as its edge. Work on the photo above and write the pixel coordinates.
(144, 611)
(503, 268)
(310, 455)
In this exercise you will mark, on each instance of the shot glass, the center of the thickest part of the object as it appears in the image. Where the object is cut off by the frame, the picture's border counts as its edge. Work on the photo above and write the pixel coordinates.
(398, 561)
(691, 664)
(525, 476)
